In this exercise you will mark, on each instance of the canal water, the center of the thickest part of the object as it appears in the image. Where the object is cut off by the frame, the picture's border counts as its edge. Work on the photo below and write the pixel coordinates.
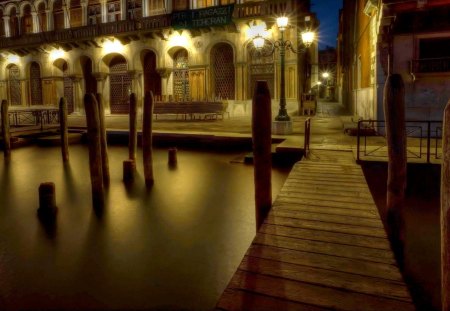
(174, 247)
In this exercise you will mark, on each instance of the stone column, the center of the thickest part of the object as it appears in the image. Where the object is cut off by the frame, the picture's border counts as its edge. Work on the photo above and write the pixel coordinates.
(49, 20)
(84, 13)
(104, 11)
(6, 23)
(123, 10)
(66, 17)
(35, 18)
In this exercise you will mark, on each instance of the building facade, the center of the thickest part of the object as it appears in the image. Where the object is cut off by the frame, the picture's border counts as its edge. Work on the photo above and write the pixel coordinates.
(179, 49)
(382, 37)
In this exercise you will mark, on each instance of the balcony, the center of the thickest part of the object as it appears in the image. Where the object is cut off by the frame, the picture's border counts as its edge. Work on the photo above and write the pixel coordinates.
(430, 65)
(128, 30)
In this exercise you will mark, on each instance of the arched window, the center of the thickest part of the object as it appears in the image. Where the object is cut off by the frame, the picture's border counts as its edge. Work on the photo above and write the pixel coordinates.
(181, 75)
(157, 7)
(14, 23)
(27, 20)
(119, 85)
(2, 25)
(113, 11)
(134, 9)
(42, 17)
(14, 85)
(94, 12)
(76, 14)
(35, 84)
(222, 65)
(58, 15)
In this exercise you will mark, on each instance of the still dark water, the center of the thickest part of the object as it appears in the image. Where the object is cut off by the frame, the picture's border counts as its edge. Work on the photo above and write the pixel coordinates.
(422, 262)
(173, 247)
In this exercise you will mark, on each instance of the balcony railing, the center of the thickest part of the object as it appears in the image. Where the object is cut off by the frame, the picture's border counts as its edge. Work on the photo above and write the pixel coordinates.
(146, 24)
(430, 65)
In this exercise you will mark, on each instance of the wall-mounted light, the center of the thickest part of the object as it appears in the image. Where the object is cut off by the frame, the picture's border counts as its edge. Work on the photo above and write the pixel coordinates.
(112, 46)
(13, 58)
(178, 39)
(55, 54)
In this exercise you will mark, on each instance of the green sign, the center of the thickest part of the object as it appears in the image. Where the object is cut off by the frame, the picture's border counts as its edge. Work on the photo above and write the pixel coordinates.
(213, 16)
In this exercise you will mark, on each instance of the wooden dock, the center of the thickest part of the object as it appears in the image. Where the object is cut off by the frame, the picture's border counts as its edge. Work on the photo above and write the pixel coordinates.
(323, 246)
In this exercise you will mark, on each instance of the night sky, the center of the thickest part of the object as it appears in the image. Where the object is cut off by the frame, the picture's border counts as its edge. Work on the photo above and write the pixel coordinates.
(328, 14)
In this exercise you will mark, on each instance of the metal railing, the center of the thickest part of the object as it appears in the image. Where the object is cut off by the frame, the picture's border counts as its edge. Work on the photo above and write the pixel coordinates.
(33, 117)
(424, 139)
(307, 137)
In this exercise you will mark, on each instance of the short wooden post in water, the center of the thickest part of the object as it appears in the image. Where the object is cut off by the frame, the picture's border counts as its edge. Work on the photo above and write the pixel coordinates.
(147, 140)
(103, 141)
(63, 129)
(5, 130)
(129, 170)
(95, 153)
(394, 112)
(132, 138)
(172, 157)
(445, 211)
(47, 200)
(262, 157)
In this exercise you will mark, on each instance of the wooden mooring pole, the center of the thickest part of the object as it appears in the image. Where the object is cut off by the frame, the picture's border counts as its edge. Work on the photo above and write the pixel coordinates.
(445, 211)
(63, 129)
(262, 157)
(103, 140)
(132, 138)
(394, 113)
(95, 153)
(5, 130)
(147, 140)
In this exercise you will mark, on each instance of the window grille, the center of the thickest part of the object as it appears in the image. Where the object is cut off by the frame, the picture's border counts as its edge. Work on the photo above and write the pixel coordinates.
(120, 85)
(35, 84)
(68, 89)
(223, 71)
(14, 86)
(181, 75)
(261, 68)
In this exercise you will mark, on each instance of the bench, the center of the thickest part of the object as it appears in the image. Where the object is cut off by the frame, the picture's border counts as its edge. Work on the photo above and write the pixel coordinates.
(193, 109)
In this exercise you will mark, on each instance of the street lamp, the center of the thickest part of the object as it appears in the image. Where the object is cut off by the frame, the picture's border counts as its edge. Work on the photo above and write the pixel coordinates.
(307, 38)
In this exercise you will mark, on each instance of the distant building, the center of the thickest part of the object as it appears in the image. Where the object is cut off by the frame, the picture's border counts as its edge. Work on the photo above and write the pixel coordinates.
(179, 49)
(327, 72)
(410, 38)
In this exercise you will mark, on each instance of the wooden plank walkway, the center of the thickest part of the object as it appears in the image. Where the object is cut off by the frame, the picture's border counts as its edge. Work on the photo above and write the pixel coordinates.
(323, 246)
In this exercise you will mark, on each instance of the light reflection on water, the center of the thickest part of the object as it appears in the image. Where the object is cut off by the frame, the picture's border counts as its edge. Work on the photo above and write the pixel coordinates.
(175, 246)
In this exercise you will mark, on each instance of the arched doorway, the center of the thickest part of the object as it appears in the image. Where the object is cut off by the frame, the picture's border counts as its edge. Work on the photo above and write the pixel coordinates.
(35, 84)
(222, 68)
(181, 75)
(152, 79)
(68, 88)
(261, 67)
(15, 98)
(119, 85)
(90, 83)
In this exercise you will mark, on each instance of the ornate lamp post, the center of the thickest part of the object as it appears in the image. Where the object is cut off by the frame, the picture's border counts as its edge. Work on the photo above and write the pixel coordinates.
(307, 38)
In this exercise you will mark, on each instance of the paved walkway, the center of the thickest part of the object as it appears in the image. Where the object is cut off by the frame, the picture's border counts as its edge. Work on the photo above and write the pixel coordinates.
(322, 246)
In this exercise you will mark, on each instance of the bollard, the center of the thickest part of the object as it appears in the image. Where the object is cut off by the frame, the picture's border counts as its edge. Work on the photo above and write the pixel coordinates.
(63, 129)
(445, 211)
(5, 130)
(47, 202)
(147, 150)
(262, 156)
(129, 170)
(103, 142)
(95, 153)
(172, 161)
(132, 138)
(394, 113)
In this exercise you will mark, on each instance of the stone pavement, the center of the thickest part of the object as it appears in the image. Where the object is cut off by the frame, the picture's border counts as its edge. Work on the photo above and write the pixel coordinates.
(326, 126)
